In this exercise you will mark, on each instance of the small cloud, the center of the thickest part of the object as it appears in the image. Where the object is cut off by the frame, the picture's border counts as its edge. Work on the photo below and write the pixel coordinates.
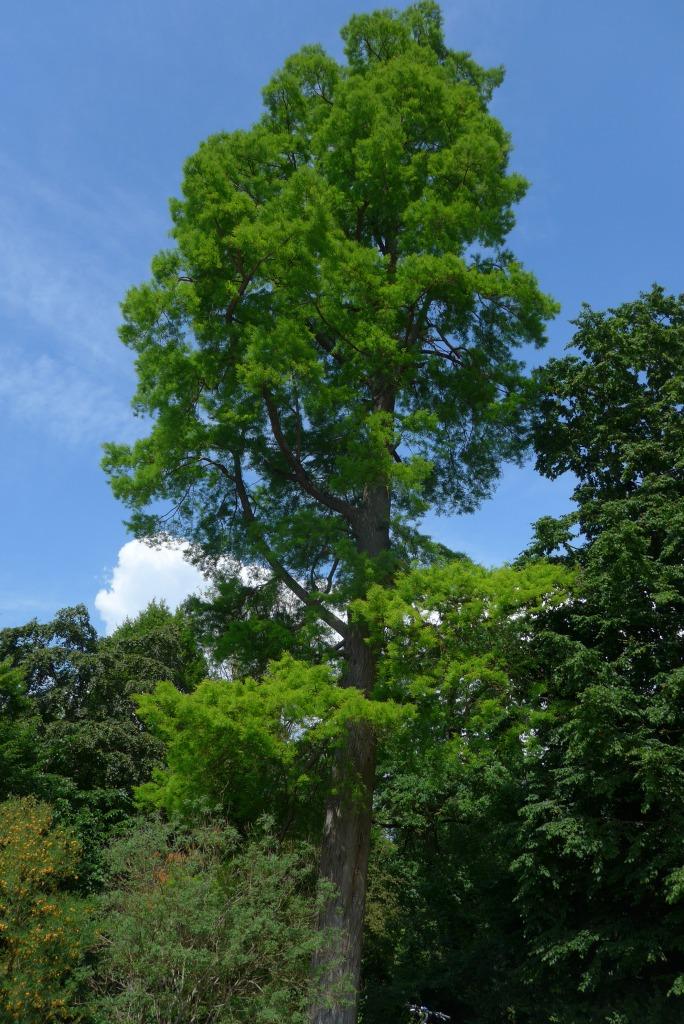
(142, 574)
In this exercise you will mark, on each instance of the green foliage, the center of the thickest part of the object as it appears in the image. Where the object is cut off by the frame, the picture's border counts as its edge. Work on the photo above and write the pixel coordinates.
(601, 845)
(157, 644)
(74, 738)
(457, 627)
(201, 926)
(44, 929)
(459, 647)
(18, 733)
(247, 747)
(337, 318)
(246, 625)
(442, 926)
(56, 659)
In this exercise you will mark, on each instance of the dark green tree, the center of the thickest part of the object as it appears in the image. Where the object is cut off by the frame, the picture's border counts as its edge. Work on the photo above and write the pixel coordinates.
(57, 660)
(458, 646)
(73, 736)
(328, 351)
(247, 623)
(157, 644)
(601, 869)
(18, 733)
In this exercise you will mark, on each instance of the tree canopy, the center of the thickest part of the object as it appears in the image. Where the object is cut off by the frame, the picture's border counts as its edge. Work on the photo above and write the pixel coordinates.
(337, 316)
(600, 866)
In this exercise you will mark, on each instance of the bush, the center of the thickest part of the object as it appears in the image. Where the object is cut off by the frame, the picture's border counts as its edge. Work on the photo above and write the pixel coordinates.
(205, 927)
(44, 929)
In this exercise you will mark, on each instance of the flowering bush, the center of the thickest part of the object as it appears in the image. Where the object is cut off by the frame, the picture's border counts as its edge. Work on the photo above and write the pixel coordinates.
(43, 926)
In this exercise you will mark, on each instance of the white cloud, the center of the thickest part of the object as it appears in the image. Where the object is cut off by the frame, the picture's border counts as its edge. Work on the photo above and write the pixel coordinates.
(142, 574)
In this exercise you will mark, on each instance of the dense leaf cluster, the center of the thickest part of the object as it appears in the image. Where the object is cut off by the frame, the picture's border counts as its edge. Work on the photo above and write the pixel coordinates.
(601, 868)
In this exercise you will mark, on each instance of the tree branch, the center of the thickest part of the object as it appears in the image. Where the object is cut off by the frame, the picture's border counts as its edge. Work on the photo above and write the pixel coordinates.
(331, 575)
(331, 501)
(278, 568)
(246, 281)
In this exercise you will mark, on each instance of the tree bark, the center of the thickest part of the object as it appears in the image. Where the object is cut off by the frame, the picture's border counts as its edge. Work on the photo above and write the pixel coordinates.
(344, 863)
(347, 830)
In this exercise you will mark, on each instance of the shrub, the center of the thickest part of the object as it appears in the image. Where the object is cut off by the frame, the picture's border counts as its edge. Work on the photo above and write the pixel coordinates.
(205, 927)
(44, 928)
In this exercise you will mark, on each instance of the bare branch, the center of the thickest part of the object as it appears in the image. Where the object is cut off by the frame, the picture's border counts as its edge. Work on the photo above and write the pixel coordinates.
(244, 285)
(331, 575)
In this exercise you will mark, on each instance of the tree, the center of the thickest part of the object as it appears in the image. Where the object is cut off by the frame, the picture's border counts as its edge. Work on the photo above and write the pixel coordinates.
(327, 351)
(458, 646)
(57, 659)
(73, 737)
(18, 733)
(156, 644)
(600, 868)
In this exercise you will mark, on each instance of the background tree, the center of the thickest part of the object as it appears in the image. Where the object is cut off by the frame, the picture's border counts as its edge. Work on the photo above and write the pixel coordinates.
(327, 350)
(600, 871)
(200, 925)
(73, 736)
(458, 646)
(157, 644)
(18, 733)
(56, 658)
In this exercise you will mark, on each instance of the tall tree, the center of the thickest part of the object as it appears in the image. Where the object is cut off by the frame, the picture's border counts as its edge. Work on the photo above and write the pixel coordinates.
(600, 870)
(327, 352)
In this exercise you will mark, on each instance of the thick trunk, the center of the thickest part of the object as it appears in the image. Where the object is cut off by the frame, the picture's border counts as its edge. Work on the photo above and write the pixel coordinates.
(346, 835)
(344, 863)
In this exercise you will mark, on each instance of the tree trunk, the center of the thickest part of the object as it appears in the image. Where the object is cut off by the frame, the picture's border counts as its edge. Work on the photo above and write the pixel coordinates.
(344, 863)
(347, 831)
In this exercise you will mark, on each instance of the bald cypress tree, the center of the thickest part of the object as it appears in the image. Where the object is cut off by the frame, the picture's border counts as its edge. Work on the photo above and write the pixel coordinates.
(327, 352)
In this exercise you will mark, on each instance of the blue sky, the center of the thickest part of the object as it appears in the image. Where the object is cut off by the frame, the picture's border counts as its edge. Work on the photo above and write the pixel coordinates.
(102, 103)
